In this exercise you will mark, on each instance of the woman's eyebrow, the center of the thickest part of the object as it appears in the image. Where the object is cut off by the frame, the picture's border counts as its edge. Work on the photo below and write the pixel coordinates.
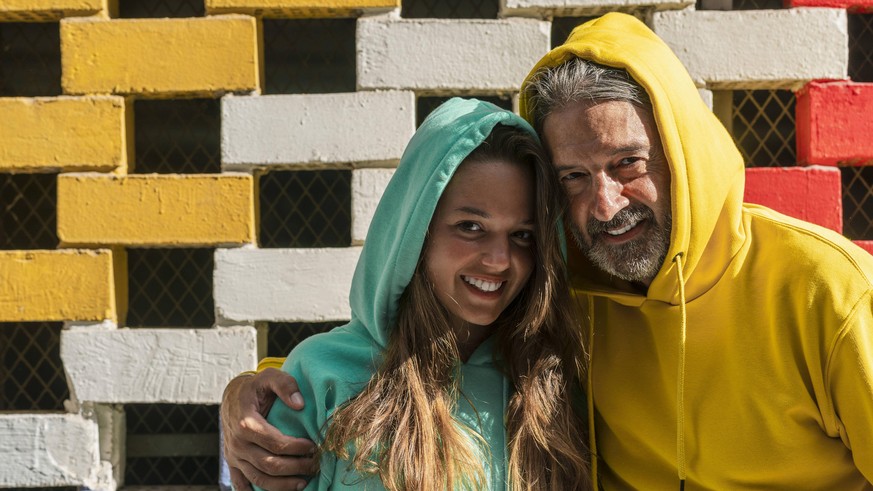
(476, 211)
(473, 211)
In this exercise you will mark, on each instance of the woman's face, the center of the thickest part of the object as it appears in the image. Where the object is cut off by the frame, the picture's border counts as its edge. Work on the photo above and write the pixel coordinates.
(480, 247)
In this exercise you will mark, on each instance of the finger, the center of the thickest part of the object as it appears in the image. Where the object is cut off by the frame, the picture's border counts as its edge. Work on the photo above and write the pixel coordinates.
(271, 483)
(278, 465)
(283, 386)
(257, 430)
(238, 480)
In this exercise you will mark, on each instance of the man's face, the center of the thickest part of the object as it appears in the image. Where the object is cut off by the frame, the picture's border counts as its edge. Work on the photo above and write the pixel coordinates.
(610, 162)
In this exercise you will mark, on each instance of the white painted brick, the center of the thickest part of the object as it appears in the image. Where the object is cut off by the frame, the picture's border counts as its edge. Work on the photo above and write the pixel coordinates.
(758, 49)
(284, 284)
(574, 8)
(156, 365)
(316, 128)
(441, 56)
(368, 185)
(48, 450)
(706, 95)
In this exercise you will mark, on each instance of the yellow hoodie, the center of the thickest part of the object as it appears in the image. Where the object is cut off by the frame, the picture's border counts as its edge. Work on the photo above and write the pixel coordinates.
(749, 361)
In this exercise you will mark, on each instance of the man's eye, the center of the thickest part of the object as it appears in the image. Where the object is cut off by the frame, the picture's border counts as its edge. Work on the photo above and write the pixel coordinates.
(630, 161)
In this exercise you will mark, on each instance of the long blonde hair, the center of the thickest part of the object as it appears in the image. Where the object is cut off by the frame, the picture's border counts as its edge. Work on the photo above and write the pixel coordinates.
(401, 424)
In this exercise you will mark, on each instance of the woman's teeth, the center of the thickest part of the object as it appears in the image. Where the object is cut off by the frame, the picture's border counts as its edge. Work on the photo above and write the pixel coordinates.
(485, 286)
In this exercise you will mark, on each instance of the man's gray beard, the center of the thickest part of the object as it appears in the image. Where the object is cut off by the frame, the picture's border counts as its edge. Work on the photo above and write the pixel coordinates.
(638, 260)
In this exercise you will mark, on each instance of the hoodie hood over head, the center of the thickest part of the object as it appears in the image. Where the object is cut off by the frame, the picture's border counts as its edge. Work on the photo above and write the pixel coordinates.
(399, 227)
(706, 169)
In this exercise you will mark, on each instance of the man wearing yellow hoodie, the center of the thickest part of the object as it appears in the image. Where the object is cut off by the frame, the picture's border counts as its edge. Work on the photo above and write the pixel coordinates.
(729, 346)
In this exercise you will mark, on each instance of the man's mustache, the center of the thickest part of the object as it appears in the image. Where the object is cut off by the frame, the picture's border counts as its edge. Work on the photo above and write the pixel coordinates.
(630, 215)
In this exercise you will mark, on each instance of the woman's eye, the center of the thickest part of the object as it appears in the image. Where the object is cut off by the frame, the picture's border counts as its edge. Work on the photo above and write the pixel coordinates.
(524, 236)
(629, 161)
(469, 226)
(572, 176)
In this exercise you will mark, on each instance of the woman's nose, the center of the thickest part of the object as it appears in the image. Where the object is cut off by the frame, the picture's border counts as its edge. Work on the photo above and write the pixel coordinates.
(497, 253)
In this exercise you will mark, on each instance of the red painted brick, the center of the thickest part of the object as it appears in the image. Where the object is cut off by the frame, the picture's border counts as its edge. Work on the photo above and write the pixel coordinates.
(835, 123)
(809, 193)
(867, 245)
(851, 5)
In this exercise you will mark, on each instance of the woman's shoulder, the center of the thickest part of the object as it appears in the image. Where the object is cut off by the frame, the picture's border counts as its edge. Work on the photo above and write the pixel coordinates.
(330, 369)
(340, 343)
(345, 356)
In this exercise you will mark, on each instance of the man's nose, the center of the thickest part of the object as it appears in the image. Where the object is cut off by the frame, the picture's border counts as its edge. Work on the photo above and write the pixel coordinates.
(608, 199)
(497, 254)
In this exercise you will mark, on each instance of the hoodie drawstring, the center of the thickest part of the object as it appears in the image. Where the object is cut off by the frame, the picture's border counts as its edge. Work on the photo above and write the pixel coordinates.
(680, 385)
(589, 390)
(680, 382)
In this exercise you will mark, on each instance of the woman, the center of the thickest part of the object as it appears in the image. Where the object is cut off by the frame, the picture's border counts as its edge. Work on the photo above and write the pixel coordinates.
(457, 366)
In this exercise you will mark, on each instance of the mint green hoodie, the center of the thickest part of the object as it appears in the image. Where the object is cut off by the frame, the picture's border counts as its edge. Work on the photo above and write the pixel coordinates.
(334, 367)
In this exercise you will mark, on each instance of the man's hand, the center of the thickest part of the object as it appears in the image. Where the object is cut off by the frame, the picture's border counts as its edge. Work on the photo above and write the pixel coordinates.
(256, 451)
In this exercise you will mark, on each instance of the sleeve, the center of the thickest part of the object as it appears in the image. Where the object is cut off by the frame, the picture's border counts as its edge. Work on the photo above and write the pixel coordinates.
(850, 381)
(316, 386)
(270, 362)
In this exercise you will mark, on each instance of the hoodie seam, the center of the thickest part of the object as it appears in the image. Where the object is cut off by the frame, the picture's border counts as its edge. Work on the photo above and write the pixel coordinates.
(817, 236)
(836, 344)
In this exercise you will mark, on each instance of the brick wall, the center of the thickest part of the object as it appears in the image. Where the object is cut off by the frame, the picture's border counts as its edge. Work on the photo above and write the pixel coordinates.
(185, 185)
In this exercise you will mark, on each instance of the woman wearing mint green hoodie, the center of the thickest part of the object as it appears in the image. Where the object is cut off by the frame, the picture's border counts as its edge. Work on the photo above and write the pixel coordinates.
(456, 369)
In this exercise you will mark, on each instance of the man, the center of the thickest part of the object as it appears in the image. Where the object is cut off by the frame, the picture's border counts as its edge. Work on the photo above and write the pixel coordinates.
(729, 346)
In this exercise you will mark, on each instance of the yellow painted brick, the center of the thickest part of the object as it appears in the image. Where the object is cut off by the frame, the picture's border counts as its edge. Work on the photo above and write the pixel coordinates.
(63, 133)
(191, 57)
(160, 210)
(49, 10)
(57, 285)
(300, 8)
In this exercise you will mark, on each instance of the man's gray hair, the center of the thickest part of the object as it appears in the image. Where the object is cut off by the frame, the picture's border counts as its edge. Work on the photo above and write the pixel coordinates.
(553, 88)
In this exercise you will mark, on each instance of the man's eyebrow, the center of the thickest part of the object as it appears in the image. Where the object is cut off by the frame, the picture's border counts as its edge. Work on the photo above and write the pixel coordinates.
(633, 148)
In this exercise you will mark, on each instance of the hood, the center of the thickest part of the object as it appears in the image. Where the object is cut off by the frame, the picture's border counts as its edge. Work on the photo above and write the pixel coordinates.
(396, 235)
(706, 169)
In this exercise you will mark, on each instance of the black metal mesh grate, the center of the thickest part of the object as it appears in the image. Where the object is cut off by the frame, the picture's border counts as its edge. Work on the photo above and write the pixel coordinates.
(450, 9)
(757, 4)
(28, 211)
(424, 105)
(30, 59)
(31, 374)
(763, 127)
(170, 288)
(562, 26)
(157, 420)
(861, 47)
(304, 56)
(177, 136)
(282, 337)
(175, 470)
(858, 202)
(161, 8)
(306, 208)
